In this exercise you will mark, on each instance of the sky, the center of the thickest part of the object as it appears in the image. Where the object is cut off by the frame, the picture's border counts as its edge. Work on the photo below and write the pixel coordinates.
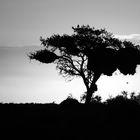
(22, 22)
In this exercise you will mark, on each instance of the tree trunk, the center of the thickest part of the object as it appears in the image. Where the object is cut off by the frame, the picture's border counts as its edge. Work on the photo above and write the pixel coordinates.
(92, 88)
(90, 92)
(88, 97)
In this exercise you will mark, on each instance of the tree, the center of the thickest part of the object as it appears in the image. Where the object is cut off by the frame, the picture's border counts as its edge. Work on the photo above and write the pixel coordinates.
(88, 53)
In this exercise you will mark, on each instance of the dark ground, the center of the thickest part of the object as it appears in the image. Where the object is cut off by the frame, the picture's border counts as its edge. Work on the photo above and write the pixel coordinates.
(79, 120)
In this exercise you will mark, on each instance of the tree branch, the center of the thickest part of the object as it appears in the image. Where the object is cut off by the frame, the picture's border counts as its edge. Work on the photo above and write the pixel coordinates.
(67, 58)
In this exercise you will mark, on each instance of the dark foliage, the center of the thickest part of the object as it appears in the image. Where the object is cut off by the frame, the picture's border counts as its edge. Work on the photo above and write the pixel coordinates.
(42, 56)
(129, 58)
(103, 60)
(69, 101)
(108, 60)
(123, 100)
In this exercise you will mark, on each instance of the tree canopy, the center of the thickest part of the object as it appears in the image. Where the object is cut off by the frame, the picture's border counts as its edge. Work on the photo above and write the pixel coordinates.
(88, 53)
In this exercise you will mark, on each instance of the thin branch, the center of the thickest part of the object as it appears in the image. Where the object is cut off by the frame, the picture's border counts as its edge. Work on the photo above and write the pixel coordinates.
(71, 62)
(82, 72)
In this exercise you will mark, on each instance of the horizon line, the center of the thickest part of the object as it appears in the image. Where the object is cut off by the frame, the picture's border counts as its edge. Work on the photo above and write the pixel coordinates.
(132, 37)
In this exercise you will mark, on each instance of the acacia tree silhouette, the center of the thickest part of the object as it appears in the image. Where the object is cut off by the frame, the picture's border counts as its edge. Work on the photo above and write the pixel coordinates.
(88, 53)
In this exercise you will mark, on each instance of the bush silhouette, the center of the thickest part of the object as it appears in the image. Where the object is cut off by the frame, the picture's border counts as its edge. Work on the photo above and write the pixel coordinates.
(69, 101)
(124, 100)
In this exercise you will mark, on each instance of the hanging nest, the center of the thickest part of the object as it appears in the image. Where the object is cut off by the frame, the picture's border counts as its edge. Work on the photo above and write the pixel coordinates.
(127, 69)
(102, 60)
(128, 59)
(44, 56)
(108, 60)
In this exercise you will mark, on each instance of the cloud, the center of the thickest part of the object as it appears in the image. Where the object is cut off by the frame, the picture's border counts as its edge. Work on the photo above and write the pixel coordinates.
(130, 37)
